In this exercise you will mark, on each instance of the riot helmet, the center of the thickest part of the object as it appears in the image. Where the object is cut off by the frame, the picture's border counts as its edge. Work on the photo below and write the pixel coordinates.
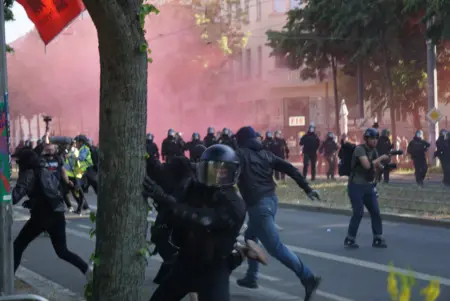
(210, 131)
(311, 128)
(385, 133)
(150, 137)
(443, 133)
(419, 134)
(195, 136)
(330, 135)
(226, 132)
(218, 166)
(277, 134)
(171, 133)
(269, 135)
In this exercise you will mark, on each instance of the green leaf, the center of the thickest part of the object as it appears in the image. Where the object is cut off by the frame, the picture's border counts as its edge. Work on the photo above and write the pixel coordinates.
(94, 259)
(92, 232)
(92, 217)
(143, 48)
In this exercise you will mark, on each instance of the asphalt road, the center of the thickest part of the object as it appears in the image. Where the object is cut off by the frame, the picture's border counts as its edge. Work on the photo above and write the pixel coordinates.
(348, 275)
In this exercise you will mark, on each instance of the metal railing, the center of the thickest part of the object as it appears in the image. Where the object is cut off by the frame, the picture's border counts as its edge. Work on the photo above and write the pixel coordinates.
(27, 297)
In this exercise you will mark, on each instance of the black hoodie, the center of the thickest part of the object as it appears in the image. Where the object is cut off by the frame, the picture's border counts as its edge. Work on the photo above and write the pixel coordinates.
(257, 166)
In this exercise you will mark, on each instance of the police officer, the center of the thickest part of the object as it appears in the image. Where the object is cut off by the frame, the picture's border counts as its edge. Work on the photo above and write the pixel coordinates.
(151, 147)
(227, 139)
(259, 137)
(443, 154)
(417, 148)
(329, 149)
(384, 146)
(311, 143)
(209, 139)
(73, 170)
(86, 163)
(209, 215)
(268, 141)
(194, 151)
(258, 190)
(362, 189)
(171, 146)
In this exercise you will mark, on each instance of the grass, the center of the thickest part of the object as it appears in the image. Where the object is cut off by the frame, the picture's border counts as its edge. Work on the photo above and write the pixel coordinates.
(430, 201)
(410, 171)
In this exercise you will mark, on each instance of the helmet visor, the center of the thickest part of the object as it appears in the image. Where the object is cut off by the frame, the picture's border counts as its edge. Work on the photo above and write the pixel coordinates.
(213, 173)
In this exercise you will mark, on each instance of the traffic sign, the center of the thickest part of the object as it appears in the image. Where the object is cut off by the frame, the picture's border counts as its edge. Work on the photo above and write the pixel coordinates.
(297, 121)
(434, 116)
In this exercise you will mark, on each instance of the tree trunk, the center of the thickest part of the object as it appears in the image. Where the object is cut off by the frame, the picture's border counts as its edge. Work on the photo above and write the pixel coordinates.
(390, 88)
(122, 213)
(336, 96)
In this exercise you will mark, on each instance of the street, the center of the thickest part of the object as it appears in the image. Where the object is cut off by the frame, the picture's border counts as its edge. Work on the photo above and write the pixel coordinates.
(348, 275)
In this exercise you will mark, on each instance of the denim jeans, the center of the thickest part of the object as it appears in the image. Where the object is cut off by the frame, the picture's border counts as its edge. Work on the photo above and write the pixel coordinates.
(364, 195)
(261, 226)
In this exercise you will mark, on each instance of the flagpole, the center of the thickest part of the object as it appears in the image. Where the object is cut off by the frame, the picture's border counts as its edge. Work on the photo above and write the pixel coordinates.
(6, 214)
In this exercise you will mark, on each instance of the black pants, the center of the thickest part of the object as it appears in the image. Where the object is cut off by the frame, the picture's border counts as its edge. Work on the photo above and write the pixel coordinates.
(167, 252)
(309, 159)
(55, 225)
(77, 194)
(210, 283)
(90, 179)
(445, 170)
(331, 161)
(420, 170)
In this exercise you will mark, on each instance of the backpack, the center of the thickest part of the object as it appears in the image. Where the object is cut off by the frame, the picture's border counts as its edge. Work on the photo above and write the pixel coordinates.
(345, 160)
(94, 155)
(50, 186)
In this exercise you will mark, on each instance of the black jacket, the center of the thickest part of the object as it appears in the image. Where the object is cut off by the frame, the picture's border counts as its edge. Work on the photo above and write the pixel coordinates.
(226, 140)
(172, 147)
(152, 149)
(310, 143)
(418, 148)
(384, 145)
(194, 154)
(329, 147)
(210, 140)
(257, 166)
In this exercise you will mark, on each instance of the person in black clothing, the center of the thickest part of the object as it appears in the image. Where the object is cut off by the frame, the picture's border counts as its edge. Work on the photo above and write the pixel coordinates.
(46, 214)
(227, 139)
(206, 216)
(210, 138)
(418, 148)
(443, 154)
(268, 141)
(171, 146)
(151, 147)
(384, 146)
(194, 151)
(329, 149)
(257, 188)
(311, 143)
(259, 137)
(345, 156)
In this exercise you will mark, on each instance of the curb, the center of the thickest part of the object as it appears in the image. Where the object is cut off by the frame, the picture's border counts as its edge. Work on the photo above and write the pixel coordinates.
(407, 219)
(45, 287)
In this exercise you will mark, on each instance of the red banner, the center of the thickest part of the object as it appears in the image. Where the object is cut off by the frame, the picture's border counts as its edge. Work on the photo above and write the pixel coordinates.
(51, 16)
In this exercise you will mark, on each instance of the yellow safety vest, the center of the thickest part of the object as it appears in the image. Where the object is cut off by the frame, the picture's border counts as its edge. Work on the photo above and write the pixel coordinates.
(87, 162)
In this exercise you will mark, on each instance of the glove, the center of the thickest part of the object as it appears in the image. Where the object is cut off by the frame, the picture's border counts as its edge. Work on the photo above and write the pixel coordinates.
(314, 195)
(154, 191)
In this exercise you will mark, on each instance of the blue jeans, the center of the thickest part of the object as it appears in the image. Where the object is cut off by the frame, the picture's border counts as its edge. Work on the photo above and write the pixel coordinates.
(364, 195)
(261, 226)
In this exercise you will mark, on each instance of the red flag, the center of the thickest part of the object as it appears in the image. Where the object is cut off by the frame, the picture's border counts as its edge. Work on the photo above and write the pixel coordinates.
(51, 16)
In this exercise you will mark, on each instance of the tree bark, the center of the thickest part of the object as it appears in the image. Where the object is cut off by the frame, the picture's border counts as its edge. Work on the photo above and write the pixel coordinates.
(390, 88)
(336, 96)
(122, 213)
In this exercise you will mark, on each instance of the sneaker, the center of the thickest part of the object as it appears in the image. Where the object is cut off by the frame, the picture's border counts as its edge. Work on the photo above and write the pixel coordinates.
(311, 285)
(247, 283)
(379, 243)
(350, 243)
(70, 209)
(254, 251)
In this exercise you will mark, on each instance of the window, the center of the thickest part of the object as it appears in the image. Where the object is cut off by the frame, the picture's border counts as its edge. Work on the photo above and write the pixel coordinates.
(248, 63)
(260, 60)
(279, 6)
(258, 10)
(295, 3)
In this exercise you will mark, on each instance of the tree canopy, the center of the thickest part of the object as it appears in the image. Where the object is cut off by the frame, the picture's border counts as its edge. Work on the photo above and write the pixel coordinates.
(385, 38)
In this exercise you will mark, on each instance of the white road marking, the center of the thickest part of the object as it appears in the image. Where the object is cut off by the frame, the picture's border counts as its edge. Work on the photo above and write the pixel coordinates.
(263, 291)
(84, 226)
